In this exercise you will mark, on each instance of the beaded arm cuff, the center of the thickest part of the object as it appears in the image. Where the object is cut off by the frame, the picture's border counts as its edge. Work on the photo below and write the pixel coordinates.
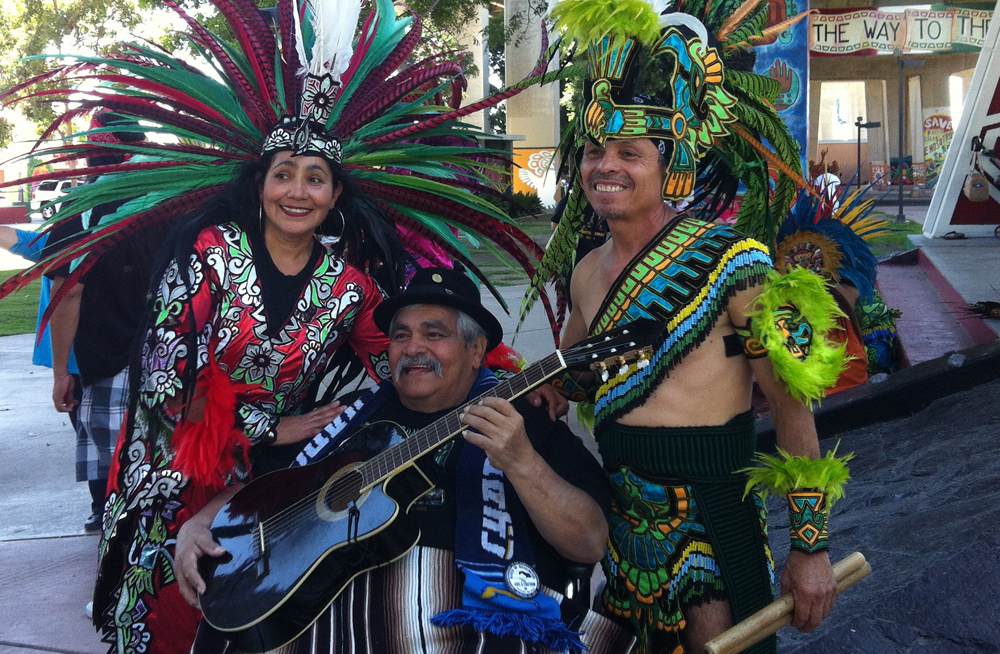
(807, 518)
(750, 343)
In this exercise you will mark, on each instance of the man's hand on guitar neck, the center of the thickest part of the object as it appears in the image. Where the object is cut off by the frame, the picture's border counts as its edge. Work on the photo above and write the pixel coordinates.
(194, 540)
(557, 405)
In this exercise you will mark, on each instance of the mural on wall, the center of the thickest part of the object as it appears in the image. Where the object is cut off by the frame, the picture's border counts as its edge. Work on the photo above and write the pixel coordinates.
(536, 174)
(785, 58)
(937, 138)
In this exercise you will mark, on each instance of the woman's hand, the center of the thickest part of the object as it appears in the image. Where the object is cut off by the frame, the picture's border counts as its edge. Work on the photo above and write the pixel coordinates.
(194, 540)
(294, 429)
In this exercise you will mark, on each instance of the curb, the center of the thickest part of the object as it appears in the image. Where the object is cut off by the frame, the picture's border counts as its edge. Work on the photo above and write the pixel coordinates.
(902, 394)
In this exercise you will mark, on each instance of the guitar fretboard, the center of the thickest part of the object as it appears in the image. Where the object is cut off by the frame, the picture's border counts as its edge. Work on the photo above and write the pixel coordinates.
(425, 440)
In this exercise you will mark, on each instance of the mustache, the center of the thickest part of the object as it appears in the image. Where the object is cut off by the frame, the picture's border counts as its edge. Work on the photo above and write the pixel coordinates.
(421, 360)
(604, 177)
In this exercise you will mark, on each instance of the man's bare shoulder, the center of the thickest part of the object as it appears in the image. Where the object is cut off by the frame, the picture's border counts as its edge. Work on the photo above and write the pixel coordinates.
(590, 284)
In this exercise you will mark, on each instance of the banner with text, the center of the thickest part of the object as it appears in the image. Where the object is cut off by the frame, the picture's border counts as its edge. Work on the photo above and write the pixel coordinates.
(913, 29)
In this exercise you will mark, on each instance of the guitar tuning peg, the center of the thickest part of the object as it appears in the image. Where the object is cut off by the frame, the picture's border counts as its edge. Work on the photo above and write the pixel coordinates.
(644, 355)
(599, 366)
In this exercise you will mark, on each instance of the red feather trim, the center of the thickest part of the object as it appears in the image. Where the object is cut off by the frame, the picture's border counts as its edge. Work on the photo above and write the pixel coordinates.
(504, 357)
(206, 451)
(403, 85)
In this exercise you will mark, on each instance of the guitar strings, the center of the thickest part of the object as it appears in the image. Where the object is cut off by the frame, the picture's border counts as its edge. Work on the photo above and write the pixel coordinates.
(346, 487)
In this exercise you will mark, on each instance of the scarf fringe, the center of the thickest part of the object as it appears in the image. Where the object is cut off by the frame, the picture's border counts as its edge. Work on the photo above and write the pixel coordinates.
(549, 632)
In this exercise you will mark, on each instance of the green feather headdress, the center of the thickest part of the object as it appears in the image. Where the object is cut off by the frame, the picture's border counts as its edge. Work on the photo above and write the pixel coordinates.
(735, 144)
(397, 122)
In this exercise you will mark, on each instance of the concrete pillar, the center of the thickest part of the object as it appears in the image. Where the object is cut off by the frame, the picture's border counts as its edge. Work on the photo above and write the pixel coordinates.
(533, 113)
(478, 86)
(878, 139)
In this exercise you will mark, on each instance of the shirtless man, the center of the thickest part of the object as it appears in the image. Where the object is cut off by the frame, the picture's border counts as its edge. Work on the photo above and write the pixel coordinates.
(646, 425)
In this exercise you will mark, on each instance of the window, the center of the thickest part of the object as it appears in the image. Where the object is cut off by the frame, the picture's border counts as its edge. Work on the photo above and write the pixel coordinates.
(840, 105)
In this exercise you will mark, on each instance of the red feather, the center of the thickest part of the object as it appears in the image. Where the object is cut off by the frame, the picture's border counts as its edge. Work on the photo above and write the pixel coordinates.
(403, 86)
(290, 58)
(206, 450)
(253, 44)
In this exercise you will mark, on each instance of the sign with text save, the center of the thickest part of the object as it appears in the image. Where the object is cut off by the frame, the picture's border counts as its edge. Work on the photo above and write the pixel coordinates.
(913, 29)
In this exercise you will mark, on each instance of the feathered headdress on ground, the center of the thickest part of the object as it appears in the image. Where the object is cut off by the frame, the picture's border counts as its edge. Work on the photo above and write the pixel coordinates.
(309, 83)
(681, 75)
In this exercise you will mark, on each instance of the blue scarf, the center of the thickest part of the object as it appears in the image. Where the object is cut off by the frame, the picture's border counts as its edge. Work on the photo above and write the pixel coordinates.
(501, 594)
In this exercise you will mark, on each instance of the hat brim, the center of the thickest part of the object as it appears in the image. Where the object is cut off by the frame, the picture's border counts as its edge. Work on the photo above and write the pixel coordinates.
(385, 311)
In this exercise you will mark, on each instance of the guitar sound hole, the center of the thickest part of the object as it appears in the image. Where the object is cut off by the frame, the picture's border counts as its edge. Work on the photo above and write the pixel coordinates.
(343, 491)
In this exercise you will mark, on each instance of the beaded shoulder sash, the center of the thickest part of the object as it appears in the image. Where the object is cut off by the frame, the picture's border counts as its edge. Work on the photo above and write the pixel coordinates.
(683, 278)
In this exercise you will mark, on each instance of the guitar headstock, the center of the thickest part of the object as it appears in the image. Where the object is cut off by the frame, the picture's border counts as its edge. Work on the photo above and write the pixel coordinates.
(619, 346)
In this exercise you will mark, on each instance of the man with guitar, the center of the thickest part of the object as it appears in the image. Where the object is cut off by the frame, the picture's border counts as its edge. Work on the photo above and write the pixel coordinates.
(516, 500)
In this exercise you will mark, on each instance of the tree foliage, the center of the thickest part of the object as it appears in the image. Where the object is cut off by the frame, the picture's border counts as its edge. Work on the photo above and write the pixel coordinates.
(33, 27)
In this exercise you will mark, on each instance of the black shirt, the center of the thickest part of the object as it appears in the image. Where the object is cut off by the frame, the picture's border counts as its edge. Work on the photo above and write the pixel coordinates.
(436, 513)
(113, 303)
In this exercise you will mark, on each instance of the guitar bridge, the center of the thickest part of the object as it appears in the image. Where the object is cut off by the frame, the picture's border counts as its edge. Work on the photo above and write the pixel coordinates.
(262, 567)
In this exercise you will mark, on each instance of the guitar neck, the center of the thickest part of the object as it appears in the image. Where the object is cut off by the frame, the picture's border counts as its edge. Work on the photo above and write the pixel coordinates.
(381, 466)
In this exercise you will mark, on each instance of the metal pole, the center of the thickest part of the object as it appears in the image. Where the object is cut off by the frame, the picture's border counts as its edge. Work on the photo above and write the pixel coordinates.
(900, 217)
(858, 123)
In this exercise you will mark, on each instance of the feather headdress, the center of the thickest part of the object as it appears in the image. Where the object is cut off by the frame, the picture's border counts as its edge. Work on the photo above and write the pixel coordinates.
(681, 75)
(382, 116)
(832, 242)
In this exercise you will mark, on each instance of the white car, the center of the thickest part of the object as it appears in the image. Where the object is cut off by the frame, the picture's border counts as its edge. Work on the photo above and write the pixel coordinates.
(47, 191)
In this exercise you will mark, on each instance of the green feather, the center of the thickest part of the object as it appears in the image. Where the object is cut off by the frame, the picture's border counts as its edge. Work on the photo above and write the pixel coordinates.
(808, 377)
(786, 473)
(583, 21)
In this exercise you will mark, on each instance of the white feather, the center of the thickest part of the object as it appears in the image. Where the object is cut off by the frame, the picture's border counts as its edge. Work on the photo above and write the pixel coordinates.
(334, 23)
(300, 43)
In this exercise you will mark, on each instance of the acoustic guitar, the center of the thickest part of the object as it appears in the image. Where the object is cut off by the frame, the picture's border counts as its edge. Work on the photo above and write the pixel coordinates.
(295, 537)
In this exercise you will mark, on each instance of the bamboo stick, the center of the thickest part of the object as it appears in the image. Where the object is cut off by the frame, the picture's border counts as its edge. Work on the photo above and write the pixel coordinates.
(848, 571)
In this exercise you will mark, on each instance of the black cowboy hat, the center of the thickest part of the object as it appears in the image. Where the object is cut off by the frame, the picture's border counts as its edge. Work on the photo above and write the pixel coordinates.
(443, 287)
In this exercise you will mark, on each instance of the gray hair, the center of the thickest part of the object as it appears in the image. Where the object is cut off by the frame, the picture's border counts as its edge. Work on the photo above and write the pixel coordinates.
(468, 329)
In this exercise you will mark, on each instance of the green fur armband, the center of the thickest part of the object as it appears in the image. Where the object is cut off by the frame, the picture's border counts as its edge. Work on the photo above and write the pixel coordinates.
(789, 321)
(812, 486)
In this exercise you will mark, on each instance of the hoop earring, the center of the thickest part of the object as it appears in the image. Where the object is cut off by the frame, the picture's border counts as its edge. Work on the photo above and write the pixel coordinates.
(260, 218)
(327, 239)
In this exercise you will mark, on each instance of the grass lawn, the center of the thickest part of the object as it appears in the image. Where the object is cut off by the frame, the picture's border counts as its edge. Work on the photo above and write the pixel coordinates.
(507, 272)
(896, 240)
(18, 310)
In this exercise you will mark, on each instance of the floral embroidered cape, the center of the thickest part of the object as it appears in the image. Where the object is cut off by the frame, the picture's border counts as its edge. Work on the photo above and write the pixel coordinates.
(136, 601)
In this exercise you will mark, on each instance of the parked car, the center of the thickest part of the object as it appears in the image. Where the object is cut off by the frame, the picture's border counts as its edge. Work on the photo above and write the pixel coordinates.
(46, 192)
